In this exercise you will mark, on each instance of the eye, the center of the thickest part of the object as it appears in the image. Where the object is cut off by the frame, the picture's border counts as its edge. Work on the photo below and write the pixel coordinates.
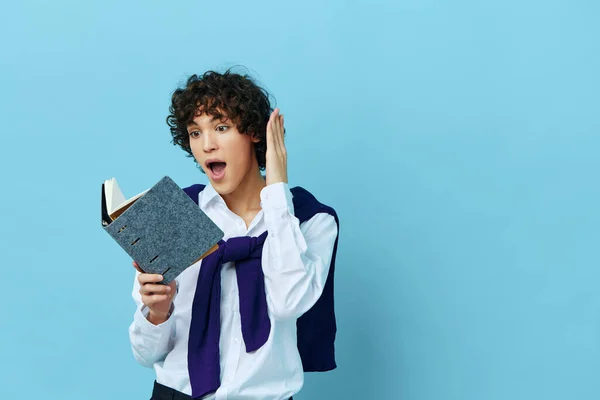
(194, 134)
(222, 128)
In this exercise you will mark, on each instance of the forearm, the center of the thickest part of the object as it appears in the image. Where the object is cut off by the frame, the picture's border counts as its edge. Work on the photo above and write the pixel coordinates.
(296, 257)
(150, 342)
(151, 332)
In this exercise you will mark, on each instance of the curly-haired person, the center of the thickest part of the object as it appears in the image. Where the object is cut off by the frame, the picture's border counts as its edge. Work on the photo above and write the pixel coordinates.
(249, 323)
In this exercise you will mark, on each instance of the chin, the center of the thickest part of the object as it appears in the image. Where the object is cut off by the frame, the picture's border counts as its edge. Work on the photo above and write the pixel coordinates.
(224, 187)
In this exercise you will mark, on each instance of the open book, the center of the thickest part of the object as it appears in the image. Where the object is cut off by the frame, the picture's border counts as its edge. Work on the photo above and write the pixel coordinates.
(161, 228)
(116, 202)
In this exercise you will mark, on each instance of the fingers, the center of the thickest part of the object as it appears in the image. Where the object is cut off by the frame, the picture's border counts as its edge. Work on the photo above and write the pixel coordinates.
(152, 299)
(270, 132)
(149, 278)
(280, 135)
(136, 266)
(276, 157)
(153, 293)
(150, 288)
(275, 132)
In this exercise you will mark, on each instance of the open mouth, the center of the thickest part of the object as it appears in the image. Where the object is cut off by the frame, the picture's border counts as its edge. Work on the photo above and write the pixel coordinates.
(217, 169)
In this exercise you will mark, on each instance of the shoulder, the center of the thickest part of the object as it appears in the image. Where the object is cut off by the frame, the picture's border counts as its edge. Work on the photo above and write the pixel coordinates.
(318, 221)
(194, 190)
(306, 205)
(303, 196)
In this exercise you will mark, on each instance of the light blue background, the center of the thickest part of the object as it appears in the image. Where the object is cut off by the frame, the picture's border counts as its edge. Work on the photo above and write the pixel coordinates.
(459, 142)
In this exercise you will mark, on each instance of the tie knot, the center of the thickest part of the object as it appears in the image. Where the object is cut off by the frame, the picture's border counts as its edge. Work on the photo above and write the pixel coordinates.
(241, 247)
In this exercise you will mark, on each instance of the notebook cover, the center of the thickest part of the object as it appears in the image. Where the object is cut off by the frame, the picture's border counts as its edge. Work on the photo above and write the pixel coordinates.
(164, 231)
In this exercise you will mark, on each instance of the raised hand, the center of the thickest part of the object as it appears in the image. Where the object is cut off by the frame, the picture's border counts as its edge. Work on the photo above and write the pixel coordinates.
(276, 157)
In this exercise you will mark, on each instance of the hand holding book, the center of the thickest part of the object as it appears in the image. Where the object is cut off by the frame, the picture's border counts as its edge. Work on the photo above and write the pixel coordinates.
(158, 298)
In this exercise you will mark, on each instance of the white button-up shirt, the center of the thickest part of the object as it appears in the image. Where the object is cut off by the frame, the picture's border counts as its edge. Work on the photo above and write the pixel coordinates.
(295, 262)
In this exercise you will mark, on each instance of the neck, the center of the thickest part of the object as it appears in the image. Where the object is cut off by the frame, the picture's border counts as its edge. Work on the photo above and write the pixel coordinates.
(246, 197)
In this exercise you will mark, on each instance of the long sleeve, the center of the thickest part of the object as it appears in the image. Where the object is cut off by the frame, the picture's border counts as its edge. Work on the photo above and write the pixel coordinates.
(150, 343)
(296, 256)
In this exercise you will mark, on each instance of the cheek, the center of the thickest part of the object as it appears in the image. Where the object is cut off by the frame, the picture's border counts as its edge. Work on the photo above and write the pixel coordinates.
(242, 152)
(193, 147)
(241, 161)
(196, 147)
(196, 152)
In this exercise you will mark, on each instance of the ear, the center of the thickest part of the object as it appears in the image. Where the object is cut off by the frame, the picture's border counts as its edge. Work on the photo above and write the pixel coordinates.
(254, 138)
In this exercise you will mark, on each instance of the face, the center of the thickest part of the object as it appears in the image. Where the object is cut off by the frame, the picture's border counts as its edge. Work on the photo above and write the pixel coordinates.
(226, 155)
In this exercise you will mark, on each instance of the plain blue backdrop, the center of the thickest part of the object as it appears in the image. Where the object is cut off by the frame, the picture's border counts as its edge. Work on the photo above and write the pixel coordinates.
(459, 142)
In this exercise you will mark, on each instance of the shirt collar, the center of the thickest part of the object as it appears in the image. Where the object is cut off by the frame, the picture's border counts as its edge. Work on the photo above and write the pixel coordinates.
(207, 195)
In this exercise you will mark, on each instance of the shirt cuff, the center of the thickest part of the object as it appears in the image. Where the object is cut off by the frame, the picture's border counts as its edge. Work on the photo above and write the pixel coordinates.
(277, 197)
(140, 318)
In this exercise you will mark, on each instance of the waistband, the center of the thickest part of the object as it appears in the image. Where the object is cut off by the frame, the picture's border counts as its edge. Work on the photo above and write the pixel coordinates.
(162, 392)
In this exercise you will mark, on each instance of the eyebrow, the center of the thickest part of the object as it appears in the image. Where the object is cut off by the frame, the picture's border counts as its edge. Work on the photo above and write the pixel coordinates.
(213, 119)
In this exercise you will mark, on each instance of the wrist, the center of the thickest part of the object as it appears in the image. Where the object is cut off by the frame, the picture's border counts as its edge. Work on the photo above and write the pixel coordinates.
(157, 317)
(278, 178)
(276, 197)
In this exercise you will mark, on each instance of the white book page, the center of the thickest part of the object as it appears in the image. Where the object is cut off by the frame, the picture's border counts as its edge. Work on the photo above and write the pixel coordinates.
(131, 200)
(115, 199)
(114, 195)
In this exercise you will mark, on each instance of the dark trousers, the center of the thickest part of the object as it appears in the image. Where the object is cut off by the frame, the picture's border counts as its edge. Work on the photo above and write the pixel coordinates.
(162, 392)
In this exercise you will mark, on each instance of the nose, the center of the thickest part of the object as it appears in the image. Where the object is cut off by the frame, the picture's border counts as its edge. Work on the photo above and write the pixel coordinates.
(209, 142)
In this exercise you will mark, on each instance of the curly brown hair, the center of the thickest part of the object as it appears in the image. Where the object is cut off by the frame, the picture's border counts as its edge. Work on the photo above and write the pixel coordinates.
(221, 95)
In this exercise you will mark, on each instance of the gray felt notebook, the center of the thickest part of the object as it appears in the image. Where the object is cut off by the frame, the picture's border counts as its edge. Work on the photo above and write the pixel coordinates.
(161, 228)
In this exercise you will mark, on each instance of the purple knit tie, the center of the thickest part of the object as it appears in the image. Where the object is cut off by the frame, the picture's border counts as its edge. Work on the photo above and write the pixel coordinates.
(203, 345)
